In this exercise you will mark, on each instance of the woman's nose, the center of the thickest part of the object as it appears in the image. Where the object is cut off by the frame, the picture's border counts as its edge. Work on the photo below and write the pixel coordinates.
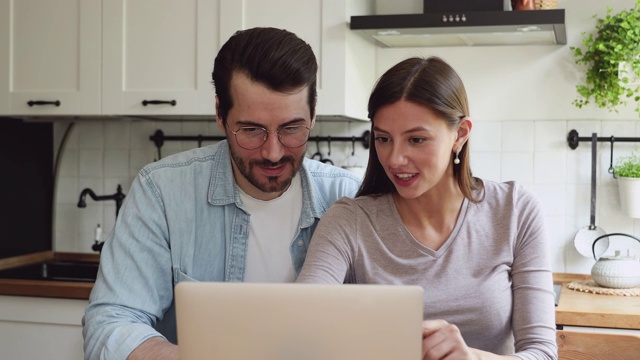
(397, 156)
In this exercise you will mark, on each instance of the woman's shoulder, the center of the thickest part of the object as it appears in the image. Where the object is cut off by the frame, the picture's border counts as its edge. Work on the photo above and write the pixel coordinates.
(507, 192)
(367, 203)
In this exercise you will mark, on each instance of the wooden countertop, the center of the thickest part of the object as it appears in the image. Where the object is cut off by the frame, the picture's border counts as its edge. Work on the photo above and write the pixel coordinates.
(46, 288)
(577, 308)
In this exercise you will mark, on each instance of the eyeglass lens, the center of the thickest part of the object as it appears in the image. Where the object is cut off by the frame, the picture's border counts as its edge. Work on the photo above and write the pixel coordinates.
(250, 137)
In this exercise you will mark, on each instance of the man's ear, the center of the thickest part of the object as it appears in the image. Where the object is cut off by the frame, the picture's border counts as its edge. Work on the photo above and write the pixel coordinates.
(218, 118)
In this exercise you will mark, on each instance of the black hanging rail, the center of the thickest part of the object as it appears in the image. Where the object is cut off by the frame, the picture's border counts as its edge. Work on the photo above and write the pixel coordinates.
(573, 139)
(159, 138)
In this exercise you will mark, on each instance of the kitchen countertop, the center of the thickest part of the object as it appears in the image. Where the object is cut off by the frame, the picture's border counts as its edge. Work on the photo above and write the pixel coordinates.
(46, 288)
(577, 308)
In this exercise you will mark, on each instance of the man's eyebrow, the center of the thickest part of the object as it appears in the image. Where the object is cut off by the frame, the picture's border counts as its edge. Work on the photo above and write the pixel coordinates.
(295, 121)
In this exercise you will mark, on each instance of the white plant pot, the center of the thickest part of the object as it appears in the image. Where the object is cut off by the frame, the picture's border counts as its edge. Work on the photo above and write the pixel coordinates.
(629, 190)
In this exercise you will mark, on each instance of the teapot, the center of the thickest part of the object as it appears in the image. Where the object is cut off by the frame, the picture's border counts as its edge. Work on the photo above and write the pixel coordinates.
(619, 271)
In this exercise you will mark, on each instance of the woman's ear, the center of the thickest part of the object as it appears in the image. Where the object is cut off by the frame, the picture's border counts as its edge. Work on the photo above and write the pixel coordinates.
(462, 132)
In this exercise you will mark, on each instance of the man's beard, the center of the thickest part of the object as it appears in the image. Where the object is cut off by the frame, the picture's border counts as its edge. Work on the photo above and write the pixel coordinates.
(273, 184)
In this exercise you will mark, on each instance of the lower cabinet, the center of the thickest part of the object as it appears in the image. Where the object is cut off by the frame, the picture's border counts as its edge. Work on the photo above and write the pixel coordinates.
(41, 328)
(602, 330)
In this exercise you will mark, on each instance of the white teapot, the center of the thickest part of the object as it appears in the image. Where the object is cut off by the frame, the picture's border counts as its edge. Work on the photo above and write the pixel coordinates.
(619, 272)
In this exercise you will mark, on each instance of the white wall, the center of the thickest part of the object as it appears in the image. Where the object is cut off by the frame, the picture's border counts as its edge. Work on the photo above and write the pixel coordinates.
(520, 98)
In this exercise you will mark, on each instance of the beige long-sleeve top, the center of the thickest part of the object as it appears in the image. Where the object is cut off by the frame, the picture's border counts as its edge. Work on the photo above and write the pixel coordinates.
(492, 277)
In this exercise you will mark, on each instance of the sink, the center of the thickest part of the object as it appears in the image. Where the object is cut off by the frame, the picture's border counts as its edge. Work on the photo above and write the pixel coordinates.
(54, 270)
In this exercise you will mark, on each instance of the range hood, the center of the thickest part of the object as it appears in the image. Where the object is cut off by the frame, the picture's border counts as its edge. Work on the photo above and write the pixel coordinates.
(476, 27)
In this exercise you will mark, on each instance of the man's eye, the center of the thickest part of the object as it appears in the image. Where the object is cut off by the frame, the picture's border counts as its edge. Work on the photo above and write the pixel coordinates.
(291, 129)
(251, 130)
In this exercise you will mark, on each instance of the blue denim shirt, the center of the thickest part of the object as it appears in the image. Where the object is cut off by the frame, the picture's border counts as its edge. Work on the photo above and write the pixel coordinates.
(183, 220)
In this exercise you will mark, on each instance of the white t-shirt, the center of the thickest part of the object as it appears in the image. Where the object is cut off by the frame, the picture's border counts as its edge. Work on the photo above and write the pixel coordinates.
(272, 227)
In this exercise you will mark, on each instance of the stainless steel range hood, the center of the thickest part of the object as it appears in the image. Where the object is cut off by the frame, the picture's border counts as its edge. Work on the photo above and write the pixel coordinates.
(464, 28)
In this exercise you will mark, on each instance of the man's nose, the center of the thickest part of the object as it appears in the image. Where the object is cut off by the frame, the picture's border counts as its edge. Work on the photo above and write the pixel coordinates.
(272, 149)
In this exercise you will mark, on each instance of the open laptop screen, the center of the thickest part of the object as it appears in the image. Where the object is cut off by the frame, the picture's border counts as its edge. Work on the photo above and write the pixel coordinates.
(298, 321)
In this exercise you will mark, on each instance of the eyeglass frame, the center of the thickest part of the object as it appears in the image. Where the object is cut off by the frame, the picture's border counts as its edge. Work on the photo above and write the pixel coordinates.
(266, 135)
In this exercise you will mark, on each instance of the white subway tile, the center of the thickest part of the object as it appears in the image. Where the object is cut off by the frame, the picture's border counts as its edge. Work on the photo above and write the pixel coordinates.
(549, 168)
(517, 166)
(90, 163)
(517, 136)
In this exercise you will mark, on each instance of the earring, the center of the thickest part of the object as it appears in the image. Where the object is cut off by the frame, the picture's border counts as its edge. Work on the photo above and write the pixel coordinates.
(457, 160)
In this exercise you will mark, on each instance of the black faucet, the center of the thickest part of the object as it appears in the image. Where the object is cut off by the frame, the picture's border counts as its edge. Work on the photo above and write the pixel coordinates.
(118, 197)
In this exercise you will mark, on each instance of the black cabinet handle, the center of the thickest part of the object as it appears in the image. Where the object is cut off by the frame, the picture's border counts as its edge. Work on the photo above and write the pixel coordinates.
(158, 102)
(39, 102)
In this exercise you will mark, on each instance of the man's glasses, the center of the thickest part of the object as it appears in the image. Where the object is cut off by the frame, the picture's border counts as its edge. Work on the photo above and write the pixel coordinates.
(252, 137)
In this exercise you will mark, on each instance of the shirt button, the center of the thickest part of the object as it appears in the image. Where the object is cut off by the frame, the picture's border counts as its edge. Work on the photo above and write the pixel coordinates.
(300, 243)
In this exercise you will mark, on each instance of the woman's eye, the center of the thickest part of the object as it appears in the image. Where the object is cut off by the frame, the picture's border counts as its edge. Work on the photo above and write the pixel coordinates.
(381, 139)
(417, 141)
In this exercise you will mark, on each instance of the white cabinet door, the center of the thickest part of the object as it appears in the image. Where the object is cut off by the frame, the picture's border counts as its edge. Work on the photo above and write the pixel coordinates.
(159, 52)
(41, 328)
(346, 61)
(50, 57)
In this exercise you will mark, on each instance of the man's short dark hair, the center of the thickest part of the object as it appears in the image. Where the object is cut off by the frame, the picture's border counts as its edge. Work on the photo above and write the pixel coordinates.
(276, 58)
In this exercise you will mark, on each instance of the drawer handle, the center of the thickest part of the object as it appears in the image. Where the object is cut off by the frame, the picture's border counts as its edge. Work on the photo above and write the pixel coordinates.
(39, 102)
(158, 102)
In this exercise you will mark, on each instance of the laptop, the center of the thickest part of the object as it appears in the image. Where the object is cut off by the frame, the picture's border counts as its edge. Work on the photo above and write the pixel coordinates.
(258, 321)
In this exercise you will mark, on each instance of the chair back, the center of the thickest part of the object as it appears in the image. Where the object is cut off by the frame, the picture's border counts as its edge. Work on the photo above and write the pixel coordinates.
(574, 345)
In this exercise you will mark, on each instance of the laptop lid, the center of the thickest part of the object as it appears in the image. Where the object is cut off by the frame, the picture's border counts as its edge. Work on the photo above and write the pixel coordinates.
(298, 321)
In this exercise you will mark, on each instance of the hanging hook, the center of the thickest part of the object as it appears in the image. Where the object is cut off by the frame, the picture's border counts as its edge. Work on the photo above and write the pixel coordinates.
(329, 144)
(353, 145)
(613, 139)
(318, 154)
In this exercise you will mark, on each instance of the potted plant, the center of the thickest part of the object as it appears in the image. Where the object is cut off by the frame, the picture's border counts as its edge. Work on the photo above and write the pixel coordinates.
(627, 172)
(612, 60)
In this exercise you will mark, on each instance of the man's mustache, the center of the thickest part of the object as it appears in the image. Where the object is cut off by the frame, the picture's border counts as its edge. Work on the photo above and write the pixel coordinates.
(267, 163)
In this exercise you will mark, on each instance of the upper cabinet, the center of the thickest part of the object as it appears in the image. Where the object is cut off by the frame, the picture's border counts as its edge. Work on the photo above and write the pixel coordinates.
(346, 60)
(50, 57)
(94, 57)
(155, 57)
(158, 57)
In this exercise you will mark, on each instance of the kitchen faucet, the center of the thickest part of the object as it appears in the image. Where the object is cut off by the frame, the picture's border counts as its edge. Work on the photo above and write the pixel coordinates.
(118, 197)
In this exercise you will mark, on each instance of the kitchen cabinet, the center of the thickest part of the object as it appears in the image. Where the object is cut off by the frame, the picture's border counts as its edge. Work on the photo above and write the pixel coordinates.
(41, 328)
(346, 60)
(159, 50)
(99, 57)
(95, 57)
(50, 57)
(581, 311)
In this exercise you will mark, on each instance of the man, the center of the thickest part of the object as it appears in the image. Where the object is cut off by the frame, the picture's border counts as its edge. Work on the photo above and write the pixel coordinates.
(241, 210)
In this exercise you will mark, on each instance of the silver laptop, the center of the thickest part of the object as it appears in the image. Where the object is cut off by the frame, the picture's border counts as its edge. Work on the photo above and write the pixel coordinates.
(298, 321)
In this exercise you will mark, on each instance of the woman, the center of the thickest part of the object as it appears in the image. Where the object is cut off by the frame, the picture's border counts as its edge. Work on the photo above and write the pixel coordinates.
(478, 248)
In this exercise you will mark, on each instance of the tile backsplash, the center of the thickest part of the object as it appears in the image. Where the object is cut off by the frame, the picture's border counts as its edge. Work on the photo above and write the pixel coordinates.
(103, 154)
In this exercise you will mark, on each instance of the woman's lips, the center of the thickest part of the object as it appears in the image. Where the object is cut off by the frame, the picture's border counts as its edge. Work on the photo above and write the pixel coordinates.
(404, 179)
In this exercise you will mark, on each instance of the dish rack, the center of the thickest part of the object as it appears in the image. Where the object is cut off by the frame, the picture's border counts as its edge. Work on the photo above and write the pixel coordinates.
(546, 4)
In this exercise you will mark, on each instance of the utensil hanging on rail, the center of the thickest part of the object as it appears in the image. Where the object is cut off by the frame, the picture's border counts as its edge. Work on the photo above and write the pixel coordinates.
(587, 235)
